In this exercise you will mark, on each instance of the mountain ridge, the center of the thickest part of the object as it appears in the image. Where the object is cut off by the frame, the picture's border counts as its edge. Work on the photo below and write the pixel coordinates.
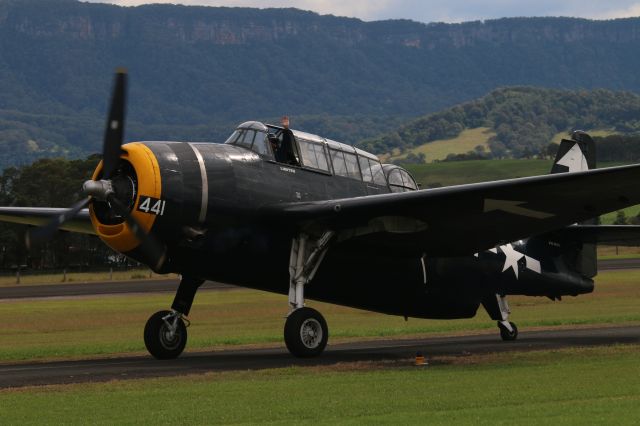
(197, 71)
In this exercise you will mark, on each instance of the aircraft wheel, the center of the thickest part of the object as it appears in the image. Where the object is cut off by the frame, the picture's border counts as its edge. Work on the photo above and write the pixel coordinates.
(507, 335)
(161, 341)
(305, 333)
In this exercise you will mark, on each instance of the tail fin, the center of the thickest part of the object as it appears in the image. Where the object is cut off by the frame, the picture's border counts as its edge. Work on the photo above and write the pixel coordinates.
(576, 155)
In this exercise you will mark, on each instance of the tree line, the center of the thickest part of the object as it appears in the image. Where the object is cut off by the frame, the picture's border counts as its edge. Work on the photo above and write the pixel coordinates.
(49, 183)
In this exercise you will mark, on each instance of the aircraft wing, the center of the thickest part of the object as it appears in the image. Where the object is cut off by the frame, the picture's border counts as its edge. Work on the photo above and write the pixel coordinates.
(39, 216)
(462, 220)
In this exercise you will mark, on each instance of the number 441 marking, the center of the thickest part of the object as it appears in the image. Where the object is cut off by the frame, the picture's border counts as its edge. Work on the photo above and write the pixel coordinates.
(151, 205)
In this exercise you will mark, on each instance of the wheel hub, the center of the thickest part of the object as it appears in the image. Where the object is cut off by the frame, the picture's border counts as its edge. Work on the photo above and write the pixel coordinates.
(311, 333)
(170, 339)
(169, 333)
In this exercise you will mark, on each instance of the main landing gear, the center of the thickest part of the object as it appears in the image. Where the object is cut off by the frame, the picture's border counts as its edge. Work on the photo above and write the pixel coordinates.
(165, 334)
(498, 309)
(508, 330)
(305, 330)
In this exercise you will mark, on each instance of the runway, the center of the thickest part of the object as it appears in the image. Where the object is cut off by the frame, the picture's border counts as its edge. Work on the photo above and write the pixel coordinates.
(100, 370)
(610, 264)
(101, 288)
(170, 286)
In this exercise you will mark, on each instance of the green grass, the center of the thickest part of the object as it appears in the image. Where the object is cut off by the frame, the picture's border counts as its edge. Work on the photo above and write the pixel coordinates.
(466, 141)
(570, 386)
(629, 212)
(99, 326)
(461, 172)
(624, 253)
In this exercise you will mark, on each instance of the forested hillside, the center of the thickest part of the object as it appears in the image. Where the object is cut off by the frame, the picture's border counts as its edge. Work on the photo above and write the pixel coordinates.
(198, 71)
(524, 120)
(54, 183)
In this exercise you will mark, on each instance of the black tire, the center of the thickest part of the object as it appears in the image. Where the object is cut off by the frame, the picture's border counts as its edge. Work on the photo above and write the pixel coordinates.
(305, 333)
(157, 339)
(507, 335)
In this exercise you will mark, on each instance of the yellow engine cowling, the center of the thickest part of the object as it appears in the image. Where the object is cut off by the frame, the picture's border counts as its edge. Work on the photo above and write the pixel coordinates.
(121, 237)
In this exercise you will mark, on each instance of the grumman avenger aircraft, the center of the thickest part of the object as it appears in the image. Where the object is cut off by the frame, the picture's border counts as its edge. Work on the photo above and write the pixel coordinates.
(326, 221)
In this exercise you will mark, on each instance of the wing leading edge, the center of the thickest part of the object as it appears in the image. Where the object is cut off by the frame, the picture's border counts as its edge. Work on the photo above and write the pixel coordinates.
(39, 216)
(465, 219)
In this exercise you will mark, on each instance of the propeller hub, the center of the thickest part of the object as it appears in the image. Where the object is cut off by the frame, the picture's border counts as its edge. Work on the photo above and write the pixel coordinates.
(98, 189)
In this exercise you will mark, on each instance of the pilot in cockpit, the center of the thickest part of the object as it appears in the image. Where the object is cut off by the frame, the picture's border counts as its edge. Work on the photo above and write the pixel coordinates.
(274, 142)
(283, 147)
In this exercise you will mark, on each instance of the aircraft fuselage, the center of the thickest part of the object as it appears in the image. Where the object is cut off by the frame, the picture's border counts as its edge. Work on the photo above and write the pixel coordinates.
(208, 211)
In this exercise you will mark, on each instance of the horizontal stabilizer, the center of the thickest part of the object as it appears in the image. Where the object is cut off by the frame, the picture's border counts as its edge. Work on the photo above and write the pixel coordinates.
(616, 235)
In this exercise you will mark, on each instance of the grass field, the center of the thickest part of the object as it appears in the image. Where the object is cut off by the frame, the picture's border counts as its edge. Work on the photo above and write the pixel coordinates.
(98, 326)
(461, 172)
(569, 386)
(601, 133)
(466, 141)
(630, 212)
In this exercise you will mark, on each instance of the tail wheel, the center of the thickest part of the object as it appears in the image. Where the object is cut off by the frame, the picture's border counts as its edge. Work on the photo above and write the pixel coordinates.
(305, 333)
(165, 335)
(506, 334)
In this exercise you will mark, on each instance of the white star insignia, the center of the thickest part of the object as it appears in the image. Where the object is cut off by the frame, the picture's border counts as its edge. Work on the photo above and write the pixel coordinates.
(511, 258)
(574, 159)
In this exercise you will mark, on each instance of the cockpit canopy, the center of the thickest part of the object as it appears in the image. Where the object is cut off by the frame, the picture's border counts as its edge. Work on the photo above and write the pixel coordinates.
(252, 135)
(399, 179)
(322, 155)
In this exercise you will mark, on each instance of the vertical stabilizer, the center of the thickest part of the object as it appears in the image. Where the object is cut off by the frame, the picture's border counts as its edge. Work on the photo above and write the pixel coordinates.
(576, 155)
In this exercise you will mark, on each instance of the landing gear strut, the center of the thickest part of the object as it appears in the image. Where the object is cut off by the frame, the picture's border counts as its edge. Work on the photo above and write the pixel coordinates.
(165, 334)
(305, 330)
(498, 309)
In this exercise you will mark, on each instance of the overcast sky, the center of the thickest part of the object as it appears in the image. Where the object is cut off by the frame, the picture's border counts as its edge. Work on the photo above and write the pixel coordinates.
(433, 10)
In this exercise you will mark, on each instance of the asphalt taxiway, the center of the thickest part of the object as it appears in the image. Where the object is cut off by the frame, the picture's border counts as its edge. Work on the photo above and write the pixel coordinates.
(402, 350)
(101, 288)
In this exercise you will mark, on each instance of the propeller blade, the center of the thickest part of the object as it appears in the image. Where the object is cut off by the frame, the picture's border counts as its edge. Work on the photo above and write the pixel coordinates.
(44, 233)
(114, 130)
(154, 250)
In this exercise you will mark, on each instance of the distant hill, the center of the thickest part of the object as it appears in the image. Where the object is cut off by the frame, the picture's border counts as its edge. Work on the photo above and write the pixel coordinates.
(525, 120)
(198, 71)
(440, 149)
